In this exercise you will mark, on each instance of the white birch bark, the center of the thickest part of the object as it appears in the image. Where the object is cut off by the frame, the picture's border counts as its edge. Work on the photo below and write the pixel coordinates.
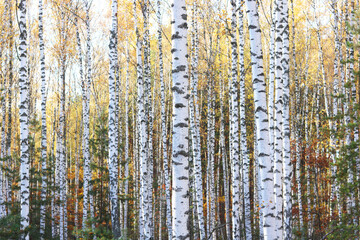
(148, 155)
(4, 80)
(141, 124)
(81, 71)
(278, 120)
(60, 147)
(210, 161)
(145, 231)
(234, 122)
(224, 165)
(261, 122)
(43, 122)
(163, 126)
(353, 174)
(243, 134)
(23, 117)
(180, 145)
(86, 123)
(296, 124)
(334, 190)
(287, 166)
(127, 158)
(9, 192)
(113, 130)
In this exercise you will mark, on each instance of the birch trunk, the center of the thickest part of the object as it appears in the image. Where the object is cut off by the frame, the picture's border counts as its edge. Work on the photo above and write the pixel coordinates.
(278, 134)
(297, 124)
(127, 158)
(86, 123)
(9, 193)
(113, 130)
(234, 123)
(243, 134)
(163, 126)
(224, 164)
(43, 122)
(287, 166)
(148, 147)
(335, 102)
(61, 134)
(261, 122)
(23, 116)
(210, 161)
(180, 149)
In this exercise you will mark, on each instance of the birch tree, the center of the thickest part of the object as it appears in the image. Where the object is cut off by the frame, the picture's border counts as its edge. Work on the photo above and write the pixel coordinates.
(278, 120)
(234, 126)
(113, 151)
(86, 121)
(287, 166)
(243, 134)
(194, 125)
(163, 125)
(43, 121)
(261, 122)
(23, 117)
(180, 149)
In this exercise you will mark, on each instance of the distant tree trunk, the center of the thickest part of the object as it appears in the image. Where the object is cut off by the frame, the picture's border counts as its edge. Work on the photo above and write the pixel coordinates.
(287, 166)
(86, 123)
(43, 122)
(297, 124)
(60, 147)
(3, 124)
(224, 164)
(334, 190)
(278, 136)
(180, 149)
(127, 158)
(243, 134)
(261, 122)
(234, 126)
(23, 116)
(163, 126)
(210, 159)
(54, 205)
(144, 218)
(81, 71)
(352, 99)
(148, 177)
(10, 85)
(113, 148)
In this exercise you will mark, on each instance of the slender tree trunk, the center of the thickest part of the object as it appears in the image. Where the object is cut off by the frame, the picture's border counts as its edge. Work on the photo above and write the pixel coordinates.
(180, 149)
(234, 122)
(144, 219)
(224, 164)
(334, 189)
(278, 134)
(23, 116)
(210, 160)
(43, 122)
(61, 134)
(127, 158)
(163, 127)
(287, 166)
(261, 122)
(10, 85)
(297, 124)
(86, 123)
(113, 148)
(243, 135)
(148, 155)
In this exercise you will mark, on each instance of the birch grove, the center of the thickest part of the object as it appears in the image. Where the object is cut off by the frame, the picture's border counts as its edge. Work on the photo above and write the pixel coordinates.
(229, 119)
